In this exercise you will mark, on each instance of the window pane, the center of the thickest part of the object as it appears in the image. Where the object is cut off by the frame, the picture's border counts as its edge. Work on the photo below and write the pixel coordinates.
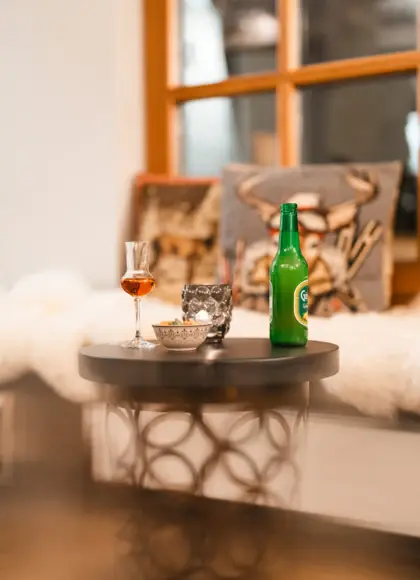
(333, 30)
(221, 38)
(366, 121)
(218, 131)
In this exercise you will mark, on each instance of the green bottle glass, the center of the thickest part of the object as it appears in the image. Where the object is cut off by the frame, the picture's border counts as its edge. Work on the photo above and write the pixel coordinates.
(289, 285)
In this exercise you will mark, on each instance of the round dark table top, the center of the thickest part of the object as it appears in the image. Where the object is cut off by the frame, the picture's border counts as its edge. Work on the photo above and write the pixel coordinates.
(239, 369)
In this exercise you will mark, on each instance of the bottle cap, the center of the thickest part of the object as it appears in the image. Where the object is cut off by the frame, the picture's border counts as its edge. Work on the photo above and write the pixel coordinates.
(288, 207)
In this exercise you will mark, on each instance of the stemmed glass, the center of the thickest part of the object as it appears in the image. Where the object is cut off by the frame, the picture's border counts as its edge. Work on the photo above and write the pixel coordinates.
(137, 282)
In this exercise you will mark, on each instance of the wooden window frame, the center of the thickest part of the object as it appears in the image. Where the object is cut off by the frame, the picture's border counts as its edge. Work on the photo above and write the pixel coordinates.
(163, 96)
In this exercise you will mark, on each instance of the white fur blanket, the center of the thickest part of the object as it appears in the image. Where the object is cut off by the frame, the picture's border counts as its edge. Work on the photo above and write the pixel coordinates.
(45, 318)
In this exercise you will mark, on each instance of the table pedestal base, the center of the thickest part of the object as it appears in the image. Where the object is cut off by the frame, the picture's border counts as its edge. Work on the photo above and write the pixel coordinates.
(242, 453)
(245, 454)
(174, 536)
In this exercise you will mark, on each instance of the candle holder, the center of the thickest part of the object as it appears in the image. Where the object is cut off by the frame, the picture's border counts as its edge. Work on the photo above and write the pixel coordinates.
(206, 303)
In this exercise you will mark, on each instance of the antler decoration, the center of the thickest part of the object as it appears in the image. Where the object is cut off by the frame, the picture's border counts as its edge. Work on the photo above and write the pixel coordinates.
(246, 192)
(365, 190)
(364, 185)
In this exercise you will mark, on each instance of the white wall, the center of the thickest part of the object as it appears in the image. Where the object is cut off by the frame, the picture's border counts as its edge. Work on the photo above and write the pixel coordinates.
(70, 133)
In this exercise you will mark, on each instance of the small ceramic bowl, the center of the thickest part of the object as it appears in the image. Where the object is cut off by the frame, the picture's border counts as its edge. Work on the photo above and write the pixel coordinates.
(181, 337)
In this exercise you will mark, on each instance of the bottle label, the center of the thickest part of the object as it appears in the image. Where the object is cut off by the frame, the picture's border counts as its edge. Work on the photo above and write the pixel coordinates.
(300, 303)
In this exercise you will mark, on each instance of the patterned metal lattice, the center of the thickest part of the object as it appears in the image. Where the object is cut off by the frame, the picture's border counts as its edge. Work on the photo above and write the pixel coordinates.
(167, 539)
(243, 455)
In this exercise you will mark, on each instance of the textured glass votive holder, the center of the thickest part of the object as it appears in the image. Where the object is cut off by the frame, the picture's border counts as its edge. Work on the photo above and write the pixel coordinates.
(213, 303)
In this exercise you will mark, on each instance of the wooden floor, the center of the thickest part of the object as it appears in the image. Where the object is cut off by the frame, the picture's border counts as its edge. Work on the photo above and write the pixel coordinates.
(53, 540)
(66, 539)
(53, 526)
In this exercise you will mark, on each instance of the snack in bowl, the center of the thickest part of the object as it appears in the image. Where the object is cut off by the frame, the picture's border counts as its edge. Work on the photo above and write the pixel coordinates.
(178, 322)
(181, 335)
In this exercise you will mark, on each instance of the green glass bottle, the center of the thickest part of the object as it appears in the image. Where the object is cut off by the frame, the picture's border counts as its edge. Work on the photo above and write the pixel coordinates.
(289, 285)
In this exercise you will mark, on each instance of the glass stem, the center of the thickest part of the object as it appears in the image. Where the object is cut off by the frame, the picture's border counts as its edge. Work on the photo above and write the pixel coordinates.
(137, 306)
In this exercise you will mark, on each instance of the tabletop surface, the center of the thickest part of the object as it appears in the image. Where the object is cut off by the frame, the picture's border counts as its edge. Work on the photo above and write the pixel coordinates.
(246, 364)
(249, 350)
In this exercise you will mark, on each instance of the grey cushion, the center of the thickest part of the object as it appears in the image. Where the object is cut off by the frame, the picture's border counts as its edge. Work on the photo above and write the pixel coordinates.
(346, 218)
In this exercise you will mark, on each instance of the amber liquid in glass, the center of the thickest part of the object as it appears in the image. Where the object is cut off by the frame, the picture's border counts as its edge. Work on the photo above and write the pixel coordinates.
(137, 287)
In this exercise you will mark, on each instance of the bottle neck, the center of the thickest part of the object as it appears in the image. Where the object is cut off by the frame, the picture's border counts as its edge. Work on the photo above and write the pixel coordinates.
(289, 233)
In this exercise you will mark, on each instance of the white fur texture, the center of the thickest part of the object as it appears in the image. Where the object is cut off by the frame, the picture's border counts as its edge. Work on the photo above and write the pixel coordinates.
(47, 317)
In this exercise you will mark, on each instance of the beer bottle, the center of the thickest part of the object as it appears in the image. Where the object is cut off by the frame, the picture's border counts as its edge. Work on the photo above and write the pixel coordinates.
(289, 285)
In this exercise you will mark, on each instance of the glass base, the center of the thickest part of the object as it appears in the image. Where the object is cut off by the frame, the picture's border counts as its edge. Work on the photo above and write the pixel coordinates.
(138, 343)
(214, 339)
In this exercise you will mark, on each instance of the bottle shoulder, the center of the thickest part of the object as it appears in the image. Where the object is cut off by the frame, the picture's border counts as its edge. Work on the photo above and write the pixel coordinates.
(286, 260)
